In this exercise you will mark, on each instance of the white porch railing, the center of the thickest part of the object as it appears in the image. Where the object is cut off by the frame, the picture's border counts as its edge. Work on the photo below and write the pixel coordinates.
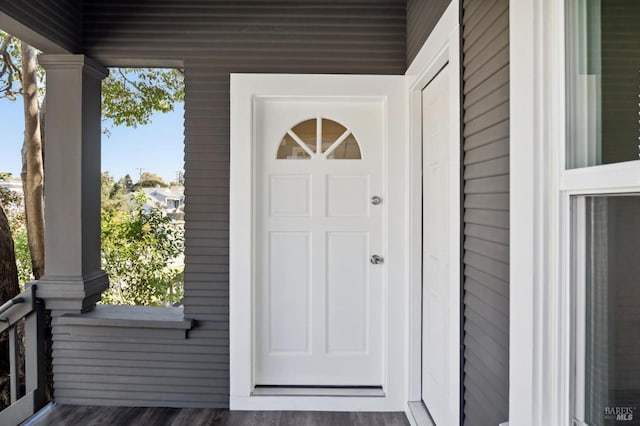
(28, 307)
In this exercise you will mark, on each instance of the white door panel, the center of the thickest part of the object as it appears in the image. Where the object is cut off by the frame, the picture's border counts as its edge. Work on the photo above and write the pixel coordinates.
(319, 301)
(347, 306)
(290, 279)
(435, 285)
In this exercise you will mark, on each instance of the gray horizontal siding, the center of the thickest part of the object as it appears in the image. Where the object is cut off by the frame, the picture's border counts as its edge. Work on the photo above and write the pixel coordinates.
(486, 211)
(58, 21)
(135, 366)
(210, 40)
(422, 17)
(207, 177)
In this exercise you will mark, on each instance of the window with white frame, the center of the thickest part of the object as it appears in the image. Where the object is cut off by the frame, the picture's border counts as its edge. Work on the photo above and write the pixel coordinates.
(601, 186)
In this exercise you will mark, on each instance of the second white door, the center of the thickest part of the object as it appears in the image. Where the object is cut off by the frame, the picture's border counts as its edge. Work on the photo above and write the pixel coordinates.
(435, 224)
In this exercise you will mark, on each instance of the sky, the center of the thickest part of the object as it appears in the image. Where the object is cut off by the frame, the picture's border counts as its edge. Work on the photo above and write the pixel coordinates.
(157, 147)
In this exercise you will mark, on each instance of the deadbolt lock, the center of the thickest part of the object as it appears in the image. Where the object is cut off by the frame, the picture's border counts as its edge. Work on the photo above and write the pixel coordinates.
(375, 200)
(376, 260)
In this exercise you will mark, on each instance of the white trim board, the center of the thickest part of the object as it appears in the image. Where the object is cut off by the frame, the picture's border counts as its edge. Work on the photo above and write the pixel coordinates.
(538, 334)
(418, 414)
(244, 89)
(441, 48)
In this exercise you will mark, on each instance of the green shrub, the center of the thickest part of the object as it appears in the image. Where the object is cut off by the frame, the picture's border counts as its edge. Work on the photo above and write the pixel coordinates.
(138, 249)
(23, 258)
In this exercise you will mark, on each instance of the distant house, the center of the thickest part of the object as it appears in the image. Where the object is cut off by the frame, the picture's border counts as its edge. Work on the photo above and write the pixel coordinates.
(170, 200)
(12, 185)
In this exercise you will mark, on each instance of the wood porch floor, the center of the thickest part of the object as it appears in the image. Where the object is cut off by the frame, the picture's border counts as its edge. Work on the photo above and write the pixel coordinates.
(74, 415)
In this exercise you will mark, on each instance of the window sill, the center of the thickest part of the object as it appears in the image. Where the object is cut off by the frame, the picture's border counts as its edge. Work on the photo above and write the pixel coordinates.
(155, 317)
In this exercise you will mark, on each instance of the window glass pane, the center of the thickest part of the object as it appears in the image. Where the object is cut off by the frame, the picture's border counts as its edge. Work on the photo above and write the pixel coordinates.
(289, 149)
(331, 131)
(307, 131)
(612, 311)
(603, 81)
(347, 150)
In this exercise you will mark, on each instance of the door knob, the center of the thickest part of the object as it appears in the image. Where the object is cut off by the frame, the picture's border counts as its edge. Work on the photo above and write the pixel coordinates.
(375, 200)
(376, 260)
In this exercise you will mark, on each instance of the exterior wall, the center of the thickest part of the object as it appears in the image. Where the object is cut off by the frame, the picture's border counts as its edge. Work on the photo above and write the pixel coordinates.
(422, 17)
(59, 20)
(486, 211)
(210, 39)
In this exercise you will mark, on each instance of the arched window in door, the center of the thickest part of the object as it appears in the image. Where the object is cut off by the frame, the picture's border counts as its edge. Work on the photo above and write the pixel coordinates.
(319, 138)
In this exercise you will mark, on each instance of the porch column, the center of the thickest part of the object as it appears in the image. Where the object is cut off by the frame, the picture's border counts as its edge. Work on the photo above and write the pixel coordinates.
(73, 280)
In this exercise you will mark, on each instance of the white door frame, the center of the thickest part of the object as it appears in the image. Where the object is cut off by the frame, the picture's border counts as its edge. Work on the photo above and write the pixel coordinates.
(244, 89)
(441, 48)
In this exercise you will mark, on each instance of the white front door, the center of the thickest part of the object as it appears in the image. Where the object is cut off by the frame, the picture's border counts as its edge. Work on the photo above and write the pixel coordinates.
(435, 279)
(319, 299)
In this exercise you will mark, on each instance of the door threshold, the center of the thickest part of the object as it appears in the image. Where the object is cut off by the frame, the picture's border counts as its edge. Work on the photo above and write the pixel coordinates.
(354, 391)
